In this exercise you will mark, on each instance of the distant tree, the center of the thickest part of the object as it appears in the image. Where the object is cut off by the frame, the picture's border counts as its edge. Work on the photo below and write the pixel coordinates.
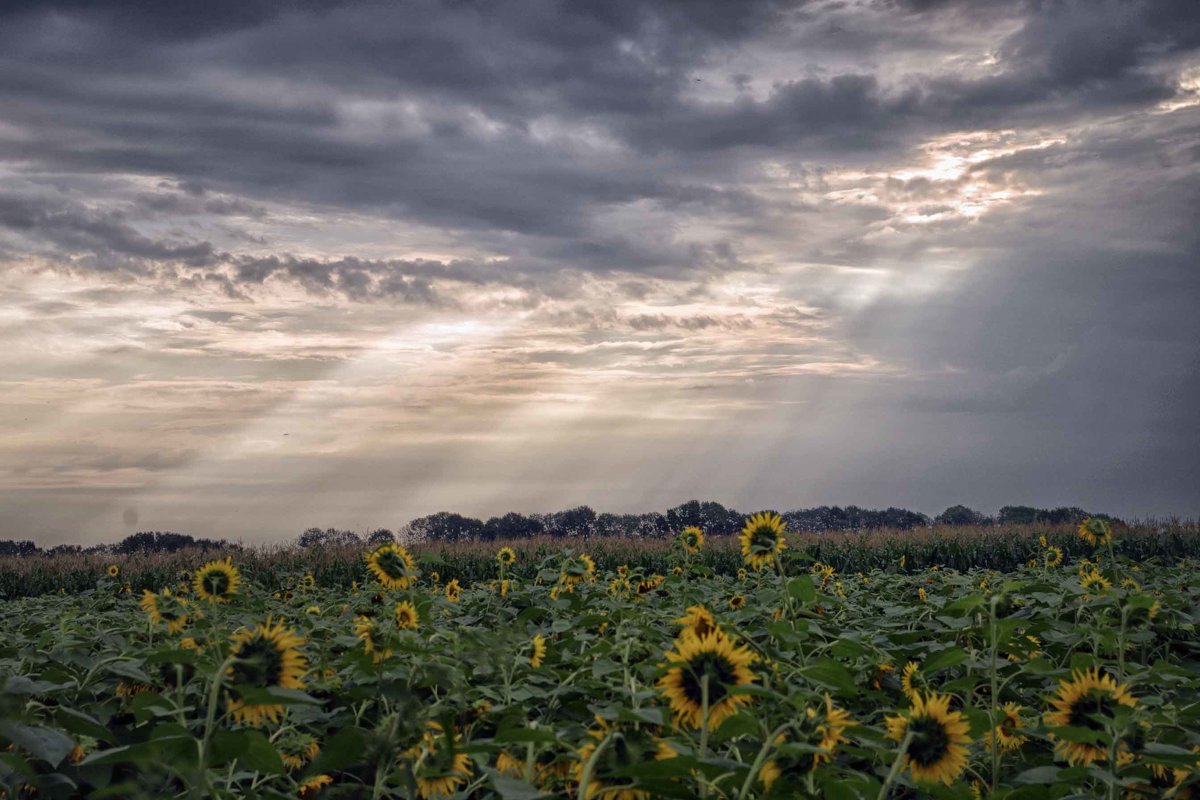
(1018, 515)
(330, 537)
(164, 542)
(903, 519)
(379, 537)
(573, 522)
(512, 526)
(21, 548)
(961, 515)
(443, 526)
(712, 518)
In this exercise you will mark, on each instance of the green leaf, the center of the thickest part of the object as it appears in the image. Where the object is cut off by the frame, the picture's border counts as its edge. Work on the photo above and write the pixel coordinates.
(950, 657)
(340, 751)
(249, 747)
(801, 588)
(45, 743)
(515, 788)
(1038, 775)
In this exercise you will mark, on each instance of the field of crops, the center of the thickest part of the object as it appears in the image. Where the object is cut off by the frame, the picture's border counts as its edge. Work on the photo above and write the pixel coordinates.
(1065, 666)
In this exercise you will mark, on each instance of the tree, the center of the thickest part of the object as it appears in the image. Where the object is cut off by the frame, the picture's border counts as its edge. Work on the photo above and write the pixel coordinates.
(512, 526)
(330, 537)
(444, 526)
(572, 522)
(380, 537)
(961, 515)
(21, 548)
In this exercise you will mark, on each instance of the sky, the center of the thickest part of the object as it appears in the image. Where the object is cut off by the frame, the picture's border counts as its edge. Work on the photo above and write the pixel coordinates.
(266, 266)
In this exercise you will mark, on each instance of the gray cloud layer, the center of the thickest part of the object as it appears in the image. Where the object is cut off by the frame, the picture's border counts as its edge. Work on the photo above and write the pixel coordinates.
(525, 254)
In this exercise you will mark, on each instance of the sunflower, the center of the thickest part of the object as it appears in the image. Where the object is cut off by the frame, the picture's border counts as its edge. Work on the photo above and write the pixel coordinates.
(453, 591)
(308, 581)
(407, 617)
(539, 651)
(217, 581)
(1007, 732)
(265, 656)
(509, 766)
(113, 570)
(881, 672)
(392, 566)
(648, 585)
(1084, 702)
(1053, 556)
(628, 745)
(716, 657)
(366, 630)
(676, 570)
(623, 570)
(737, 601)
(822, 728)
(1094, 578)
(698, 621)
(1095, 532)
(1042, 540)
(312, 787)
(741, 574)
(506, 556)
(619, 586)
(440, 769)
(165, 608)
(577, 570)
(762, 539)
(825, 572)
(938, 748)
(906, 680)
(296, 751)
(692, 539)
(921, 594)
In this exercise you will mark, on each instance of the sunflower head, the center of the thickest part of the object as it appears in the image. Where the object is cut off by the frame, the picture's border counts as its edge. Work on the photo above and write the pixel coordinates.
(937, 751)
(821, 729)
(113, 570)
(762, 539)
(698, 621)
(453, 591)
(298, 749)
(624, 745)
(537, 651)
(578, 569)
(393, 566)
(308, 581)
(1088, 700)
(1008, 730)
(1095, 580)
(310, 789)
(166, 609)
(217, 581)
(506, 556)
(1052, 556)
(1096, 532)
(714, 660)
(439, 767)
(265, 656)
(692, 539)
(407, 617)
(737, 601)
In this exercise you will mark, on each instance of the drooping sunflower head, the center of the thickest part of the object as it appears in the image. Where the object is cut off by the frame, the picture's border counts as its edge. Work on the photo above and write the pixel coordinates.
(716, 660)
(537, 651)
(298, 749)
(823, 728)
(692, 539)
(453, 591)
(439, 767)
(1095, 532)
(578, 569)
(366, 630)
(1088, 700)
(393, 566)
(311, 788)
(908, 678)
(698, 621)
(937, 751)
(1008, 730)
(647, 585)
(762, 539)
(265, 656)
(166, 609)
(407, 617)
(506, 556)
(113, 570)
(624, 745)
(217, 581)
(921, 594)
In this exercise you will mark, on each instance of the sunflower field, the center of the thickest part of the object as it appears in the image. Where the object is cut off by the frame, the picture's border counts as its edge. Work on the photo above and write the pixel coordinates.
(1072, 673)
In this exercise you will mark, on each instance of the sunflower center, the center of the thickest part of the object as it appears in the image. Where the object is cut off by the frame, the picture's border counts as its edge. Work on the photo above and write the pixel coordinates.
(215, 583)
(720, 674)
(1085, 710)
(259, 663)
(392, 564)
(762, 540)
(930, 741)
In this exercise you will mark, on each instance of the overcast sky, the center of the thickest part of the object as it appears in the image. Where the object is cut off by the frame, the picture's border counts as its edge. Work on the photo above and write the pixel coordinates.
(265, 265)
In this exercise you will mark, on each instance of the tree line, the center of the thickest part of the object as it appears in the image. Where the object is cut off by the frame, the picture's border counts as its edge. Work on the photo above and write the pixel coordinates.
(581, 522)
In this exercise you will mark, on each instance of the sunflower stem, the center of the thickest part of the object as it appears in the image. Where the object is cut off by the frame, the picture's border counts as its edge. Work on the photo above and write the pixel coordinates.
(210, 717)
(703, 728)
(590, 766)
(995, 689)
(895, 770)
(761, 759)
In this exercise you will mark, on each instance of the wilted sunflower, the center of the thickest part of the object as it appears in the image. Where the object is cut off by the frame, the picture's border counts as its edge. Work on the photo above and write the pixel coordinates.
(648, 585)
(392, 566)
(165, 608)
(407, 617)
(906, 680)
(692, 539)
(698, 621)
(506, 556)
(762, 539)
(366, 630)
(579, 569)
(453, 591)
(312, 787)
(938, 749)
(217, 581)
(1053, 556)
(823, 728)
(1086, 701)
(726, 665)
(1095, 532)
(265, 656)
(628, 745)
(439, 767)
(297, 750)
(538, 654)
(113, 570)
(1008, 730)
